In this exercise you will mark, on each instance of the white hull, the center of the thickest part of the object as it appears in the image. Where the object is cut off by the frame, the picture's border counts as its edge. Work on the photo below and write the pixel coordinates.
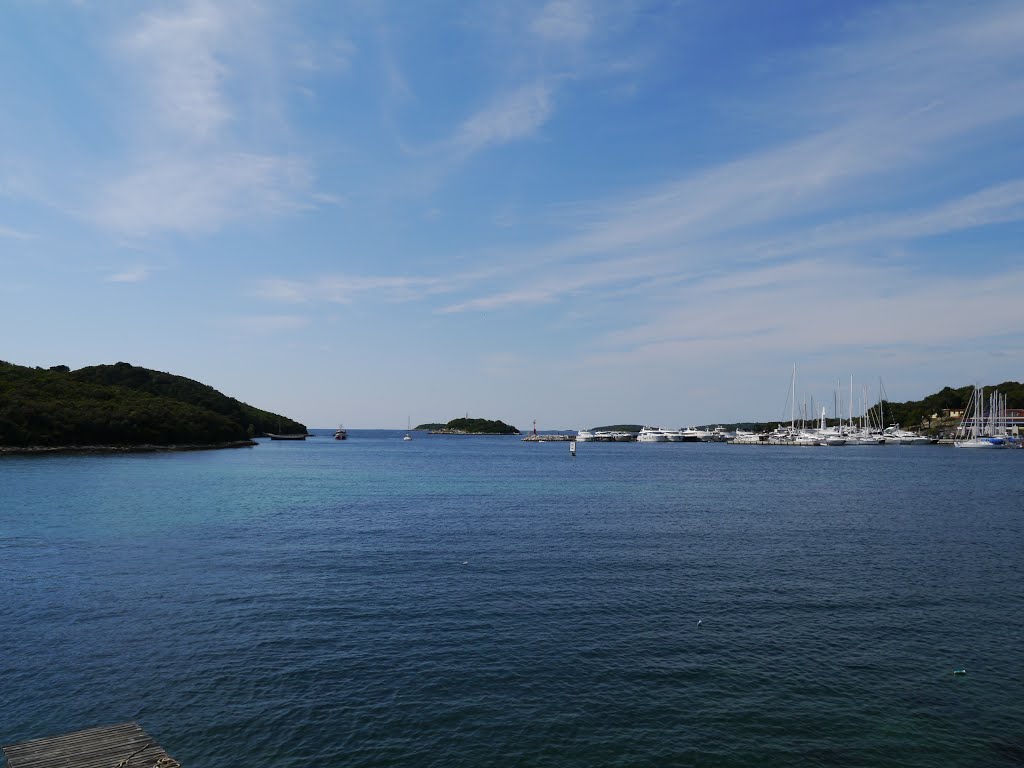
(982, 442)
(654, 435)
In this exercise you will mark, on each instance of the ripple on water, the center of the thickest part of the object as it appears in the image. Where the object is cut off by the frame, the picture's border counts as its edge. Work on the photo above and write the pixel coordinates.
(493, 603)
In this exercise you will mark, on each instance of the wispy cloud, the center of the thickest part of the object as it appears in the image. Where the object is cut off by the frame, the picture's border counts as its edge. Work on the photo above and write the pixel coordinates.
(564, 20)
(177, 55)
(195, 195)
(204, 76)
(793, 241)
(134, 274)
(513, 116)
(14, 234)
(267, 323)
(341, 289)
(334, 56)
(817, 307)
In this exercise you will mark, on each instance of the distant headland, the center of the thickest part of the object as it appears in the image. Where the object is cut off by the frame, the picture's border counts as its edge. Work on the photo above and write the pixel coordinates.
(120, 408)
(467, 426)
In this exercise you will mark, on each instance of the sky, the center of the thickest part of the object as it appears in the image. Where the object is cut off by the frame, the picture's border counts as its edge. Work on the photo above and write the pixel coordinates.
(577, 212)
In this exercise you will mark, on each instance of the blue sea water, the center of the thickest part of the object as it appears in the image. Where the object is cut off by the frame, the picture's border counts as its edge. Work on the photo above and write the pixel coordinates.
(484, 601)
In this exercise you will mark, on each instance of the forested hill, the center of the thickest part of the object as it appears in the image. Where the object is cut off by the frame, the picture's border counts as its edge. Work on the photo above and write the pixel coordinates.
(915, 412)
(469, 426)
(122, 405)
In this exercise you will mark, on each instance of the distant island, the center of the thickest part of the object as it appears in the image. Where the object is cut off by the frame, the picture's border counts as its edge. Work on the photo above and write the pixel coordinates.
(467, 426)
(122, 407)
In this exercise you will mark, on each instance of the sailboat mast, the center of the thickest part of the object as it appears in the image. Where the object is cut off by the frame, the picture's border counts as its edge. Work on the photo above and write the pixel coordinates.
(850, 404)
(792, 400)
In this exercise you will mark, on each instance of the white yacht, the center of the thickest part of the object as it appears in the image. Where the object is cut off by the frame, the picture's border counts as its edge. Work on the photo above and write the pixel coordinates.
(584, 436)
(743, 437)
(864, 437)
(652, 435)
(718, 435)
(895, 436)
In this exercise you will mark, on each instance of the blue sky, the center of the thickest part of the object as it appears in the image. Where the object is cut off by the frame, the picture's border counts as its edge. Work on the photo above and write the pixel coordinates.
(573, 211)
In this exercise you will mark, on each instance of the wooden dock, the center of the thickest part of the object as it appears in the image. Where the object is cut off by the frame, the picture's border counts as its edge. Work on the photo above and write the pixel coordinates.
(124, 745)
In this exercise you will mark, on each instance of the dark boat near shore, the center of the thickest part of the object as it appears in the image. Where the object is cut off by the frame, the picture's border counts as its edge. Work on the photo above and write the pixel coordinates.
(286, 437)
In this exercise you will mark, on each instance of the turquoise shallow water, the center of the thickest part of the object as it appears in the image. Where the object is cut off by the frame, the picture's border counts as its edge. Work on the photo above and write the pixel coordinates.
(469, 601)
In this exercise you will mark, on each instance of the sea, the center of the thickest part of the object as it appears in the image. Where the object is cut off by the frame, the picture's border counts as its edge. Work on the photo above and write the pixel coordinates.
(471, 601)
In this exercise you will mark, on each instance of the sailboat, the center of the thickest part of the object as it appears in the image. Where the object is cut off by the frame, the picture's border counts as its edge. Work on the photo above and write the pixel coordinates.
(408, 422)
(972, 429)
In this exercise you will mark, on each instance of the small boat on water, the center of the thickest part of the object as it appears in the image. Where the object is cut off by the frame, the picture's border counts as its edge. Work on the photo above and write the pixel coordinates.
(408, 430)
(340, 433)
(300, 436)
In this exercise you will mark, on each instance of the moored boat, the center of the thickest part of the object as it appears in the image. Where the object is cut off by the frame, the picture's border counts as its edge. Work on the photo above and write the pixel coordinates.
(652, 435)
(974, 425)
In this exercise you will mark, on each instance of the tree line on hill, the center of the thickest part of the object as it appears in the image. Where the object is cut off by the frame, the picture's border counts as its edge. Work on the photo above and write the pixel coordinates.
(122, 405)
(919, 413)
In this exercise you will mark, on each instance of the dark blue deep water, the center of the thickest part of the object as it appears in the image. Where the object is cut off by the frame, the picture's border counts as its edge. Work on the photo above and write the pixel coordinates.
(484, 601)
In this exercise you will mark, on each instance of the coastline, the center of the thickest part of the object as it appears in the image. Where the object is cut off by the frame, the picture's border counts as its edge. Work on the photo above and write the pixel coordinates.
(145, 448)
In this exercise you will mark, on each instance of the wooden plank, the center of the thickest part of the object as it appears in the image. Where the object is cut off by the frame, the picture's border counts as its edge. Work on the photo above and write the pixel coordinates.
(123, 745)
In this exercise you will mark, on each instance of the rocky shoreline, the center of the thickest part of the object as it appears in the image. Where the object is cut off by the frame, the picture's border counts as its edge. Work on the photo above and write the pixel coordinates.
(49, 449)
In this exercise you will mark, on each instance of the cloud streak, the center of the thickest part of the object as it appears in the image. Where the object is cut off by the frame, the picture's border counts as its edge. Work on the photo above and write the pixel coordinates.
(197, 195)
(513, 116)
(341, 289)
(178, 58)
(135, 274)
(14, 234)
(564, 21)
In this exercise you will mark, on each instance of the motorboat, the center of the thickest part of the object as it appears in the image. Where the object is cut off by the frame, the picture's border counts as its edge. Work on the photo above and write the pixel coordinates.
(652, 435)
(340, 433)
(895, 436)
(743, 437)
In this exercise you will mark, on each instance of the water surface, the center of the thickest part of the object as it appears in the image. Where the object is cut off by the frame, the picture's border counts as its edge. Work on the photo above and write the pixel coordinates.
(479, 600)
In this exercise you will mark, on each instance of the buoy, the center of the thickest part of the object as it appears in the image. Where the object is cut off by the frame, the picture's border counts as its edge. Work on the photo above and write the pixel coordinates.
(959, 671)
